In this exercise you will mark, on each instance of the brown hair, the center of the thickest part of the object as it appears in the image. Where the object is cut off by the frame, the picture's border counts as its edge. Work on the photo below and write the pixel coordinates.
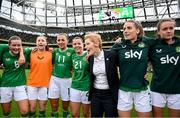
(13, 38)
(139, 26)
(95, 38)
(47, 46)
(158, 26)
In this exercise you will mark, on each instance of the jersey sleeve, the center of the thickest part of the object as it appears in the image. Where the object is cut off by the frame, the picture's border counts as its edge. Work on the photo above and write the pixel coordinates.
(53, 55)
(114, 47)
(72, 50)
(149, 41)
(27, 53)
(3, 48)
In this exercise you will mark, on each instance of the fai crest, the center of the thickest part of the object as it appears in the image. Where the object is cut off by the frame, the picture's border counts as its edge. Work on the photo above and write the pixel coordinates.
(178, 49)
(141, 45)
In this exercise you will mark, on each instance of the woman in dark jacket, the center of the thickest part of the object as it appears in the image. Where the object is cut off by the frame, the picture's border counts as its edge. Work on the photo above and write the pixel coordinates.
(104, 77)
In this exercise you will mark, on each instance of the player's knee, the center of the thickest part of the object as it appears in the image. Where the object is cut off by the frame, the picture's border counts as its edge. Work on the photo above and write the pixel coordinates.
(86, 114)
(65, 106)
(24, 111)
(75, 115)
(32, 108)
(54, 106)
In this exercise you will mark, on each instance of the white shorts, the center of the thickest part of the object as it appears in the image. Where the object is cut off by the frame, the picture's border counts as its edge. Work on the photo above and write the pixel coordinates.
(37, 93)
(79, 96)
(141, 101)
(160, 100)
(17, 93)
(59, 87)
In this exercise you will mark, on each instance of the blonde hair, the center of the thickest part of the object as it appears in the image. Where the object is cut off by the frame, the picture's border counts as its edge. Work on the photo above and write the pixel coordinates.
(42, 36)
(63, 34)
(139, 26)
(77, 38)
(95, 38)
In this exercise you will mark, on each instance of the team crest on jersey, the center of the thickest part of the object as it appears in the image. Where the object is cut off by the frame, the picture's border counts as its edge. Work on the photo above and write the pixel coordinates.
(68, 54)
(141, 45)
(178, 49)
(8, 59)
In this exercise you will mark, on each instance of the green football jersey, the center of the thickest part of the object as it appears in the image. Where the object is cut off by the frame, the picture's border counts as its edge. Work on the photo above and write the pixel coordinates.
(81, 76)
(3, 48)
(14, 74)
(165, 59)
(133, 61)
(62, 61)
(27, 52)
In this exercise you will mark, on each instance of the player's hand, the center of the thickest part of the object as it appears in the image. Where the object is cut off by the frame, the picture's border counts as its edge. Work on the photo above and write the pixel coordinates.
(87, 56)
(119, 40)
(34, 49)
(21, 59)
(51, 49)
(146, 76)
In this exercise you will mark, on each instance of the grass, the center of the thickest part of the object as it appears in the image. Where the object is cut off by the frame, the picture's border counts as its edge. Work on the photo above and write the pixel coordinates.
(15, 112)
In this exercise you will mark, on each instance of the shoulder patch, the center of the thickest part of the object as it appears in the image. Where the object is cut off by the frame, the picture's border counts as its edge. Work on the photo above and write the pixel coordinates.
(178, 49)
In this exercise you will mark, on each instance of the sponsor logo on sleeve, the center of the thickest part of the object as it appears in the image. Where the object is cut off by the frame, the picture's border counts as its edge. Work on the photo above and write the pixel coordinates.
(123, 46)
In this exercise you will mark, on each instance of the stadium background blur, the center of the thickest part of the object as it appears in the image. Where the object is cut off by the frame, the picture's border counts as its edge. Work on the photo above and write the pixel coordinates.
(31, 18)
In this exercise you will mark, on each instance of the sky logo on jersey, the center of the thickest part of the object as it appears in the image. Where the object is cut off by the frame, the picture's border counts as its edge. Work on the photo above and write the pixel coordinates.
(169, 60)
(141, 45)
(178, 49)
(133, 54)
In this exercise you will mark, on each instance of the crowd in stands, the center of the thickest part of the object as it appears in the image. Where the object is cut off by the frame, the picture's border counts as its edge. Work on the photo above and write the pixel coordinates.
(31, 38)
